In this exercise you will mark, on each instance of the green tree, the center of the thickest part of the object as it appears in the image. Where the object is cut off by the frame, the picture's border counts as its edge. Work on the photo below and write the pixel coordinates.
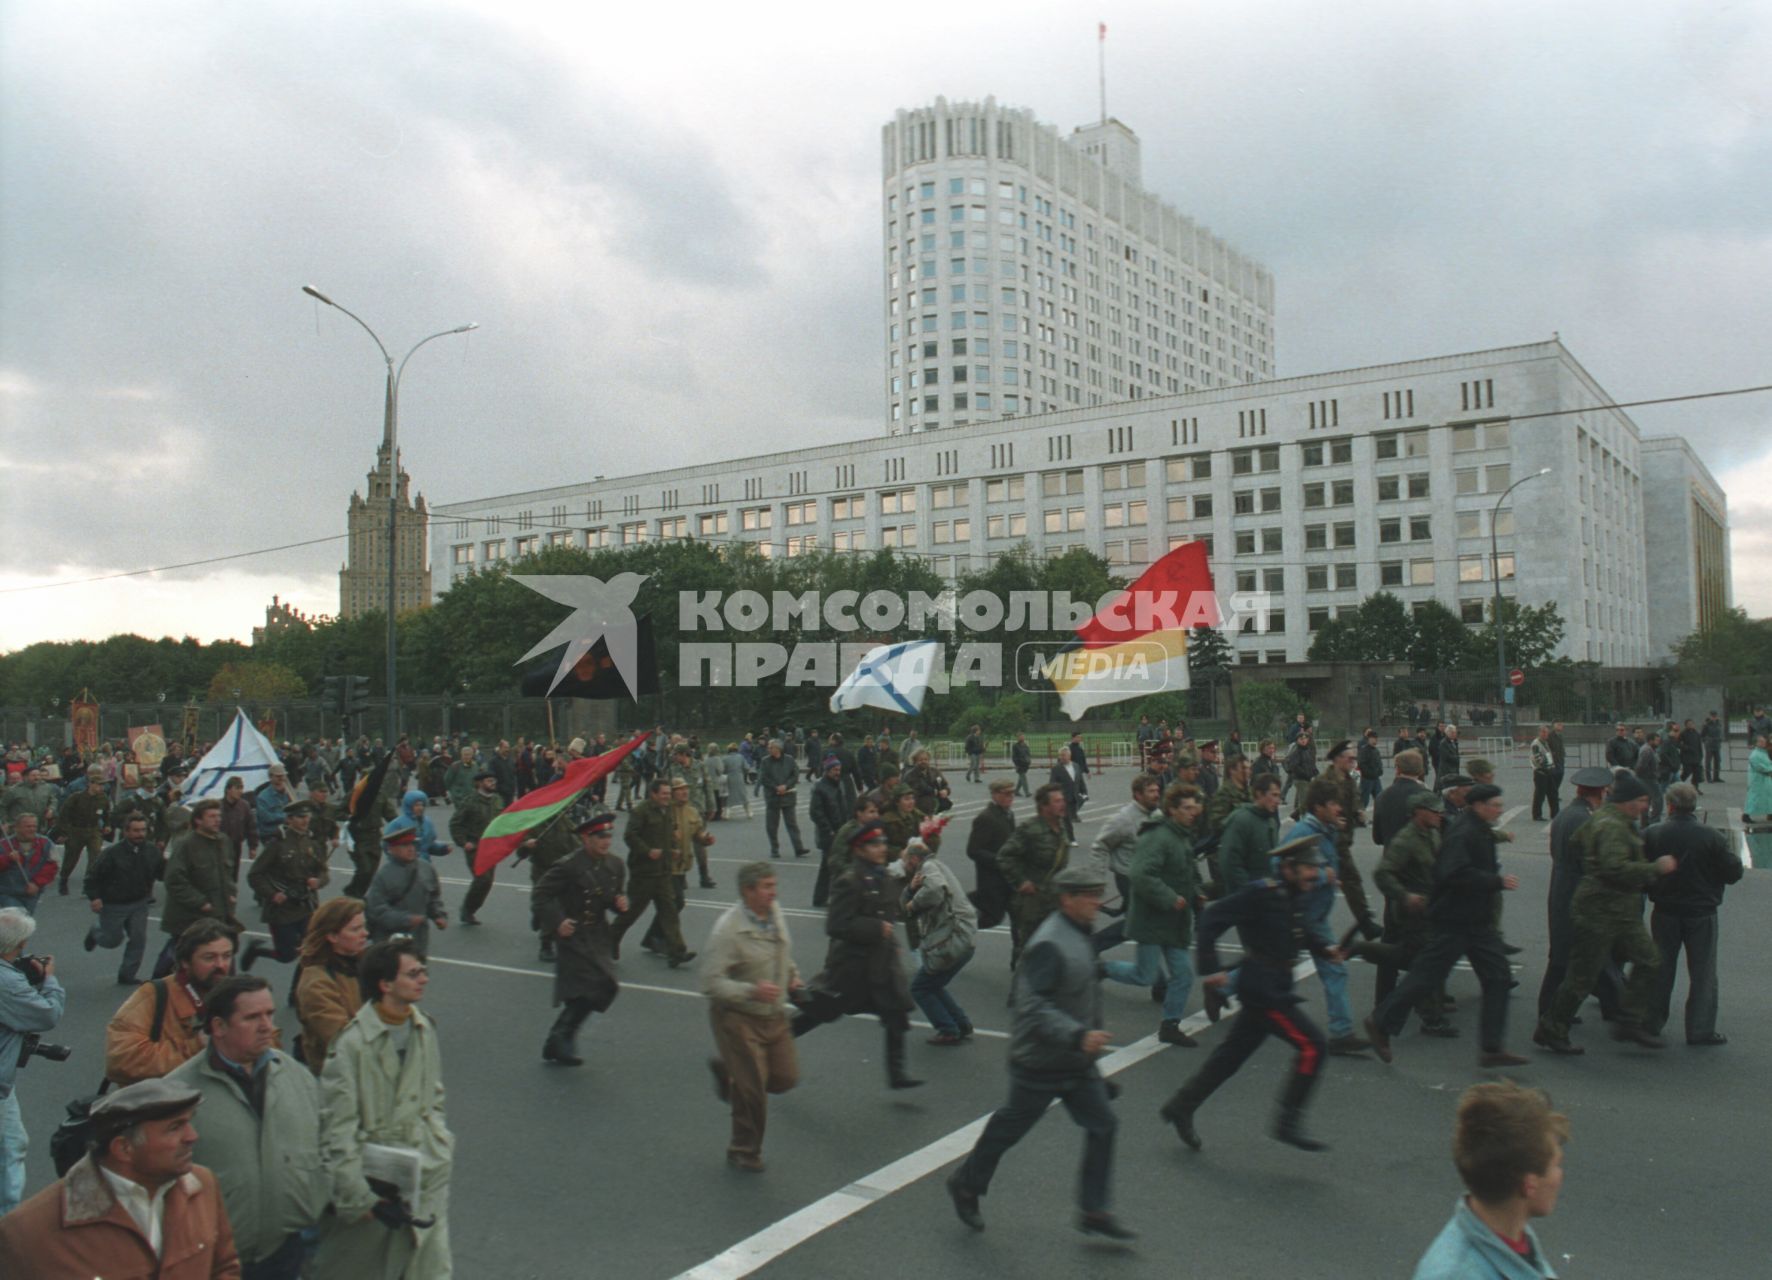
(1379, 629)
(1266, 707)
(1531, 634)
(257, 682)
(1440, 641)
(1735, 651)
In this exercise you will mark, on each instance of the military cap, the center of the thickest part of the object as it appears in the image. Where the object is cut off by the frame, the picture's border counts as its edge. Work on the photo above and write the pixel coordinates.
(1076, 879)
(1426, 800)
(401, 830)
(586, 814)
(1593, 776)
(1626, 786)
(1211, 744)
(1307, 850)
(1339, 747)
(867, 833)
(679, 781)
(1481, 792)
(1456, 780)
(156, 1099)
(300, 809)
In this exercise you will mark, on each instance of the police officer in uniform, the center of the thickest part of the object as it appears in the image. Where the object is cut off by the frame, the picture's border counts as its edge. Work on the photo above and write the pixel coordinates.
(574, 900)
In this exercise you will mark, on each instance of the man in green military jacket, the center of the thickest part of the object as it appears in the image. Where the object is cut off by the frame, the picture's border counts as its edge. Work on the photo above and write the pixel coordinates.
(287, 877)
(84, 819)
(1035, 852)
(466, 823)
(1405, 877)
(1608, 918)
(1250, 833)
(1165, 887)
(650, 835)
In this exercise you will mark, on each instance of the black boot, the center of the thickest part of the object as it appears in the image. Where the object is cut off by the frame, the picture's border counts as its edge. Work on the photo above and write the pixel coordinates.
(559, 1047)
(896, 1076)
(1289, 1125)
(249, 957)
(547, 948)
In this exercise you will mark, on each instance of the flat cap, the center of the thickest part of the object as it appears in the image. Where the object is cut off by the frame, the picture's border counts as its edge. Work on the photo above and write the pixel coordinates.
(1481, 792)
(1426, 800)
(1457, 780)
(485, 773)
(1592, 776)
(156, 1099)
(679, 781)
(1076, 879)
(1626, 786)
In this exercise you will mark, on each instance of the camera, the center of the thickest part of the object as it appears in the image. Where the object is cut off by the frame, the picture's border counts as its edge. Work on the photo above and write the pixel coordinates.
(34, 1046)
(35, 968)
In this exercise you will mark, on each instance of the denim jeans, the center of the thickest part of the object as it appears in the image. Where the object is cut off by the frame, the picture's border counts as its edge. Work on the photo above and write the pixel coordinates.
(930, 992)
(13, 1145)
(119, 922)
(1152, 960)
(1341, 1018)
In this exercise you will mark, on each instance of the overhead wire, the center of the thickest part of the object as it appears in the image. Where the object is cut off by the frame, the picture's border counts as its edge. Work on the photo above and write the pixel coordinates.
(907, 553)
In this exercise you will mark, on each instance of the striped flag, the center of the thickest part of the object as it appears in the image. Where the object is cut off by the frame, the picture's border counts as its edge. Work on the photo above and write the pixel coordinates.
(513, 825)
(893, 677)
(1137, 645)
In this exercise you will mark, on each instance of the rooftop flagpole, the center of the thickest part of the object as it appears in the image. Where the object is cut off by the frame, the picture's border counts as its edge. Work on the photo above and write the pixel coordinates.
(1101, 65)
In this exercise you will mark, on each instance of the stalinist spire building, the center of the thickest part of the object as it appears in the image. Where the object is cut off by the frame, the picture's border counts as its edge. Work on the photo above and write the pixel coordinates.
(363, 582)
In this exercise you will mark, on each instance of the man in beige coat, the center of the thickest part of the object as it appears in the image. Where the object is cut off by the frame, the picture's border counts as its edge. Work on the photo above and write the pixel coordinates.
(747, 971)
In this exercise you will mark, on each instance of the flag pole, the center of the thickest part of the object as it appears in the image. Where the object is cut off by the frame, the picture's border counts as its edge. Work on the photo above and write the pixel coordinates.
(1101, 66)
(553, 738)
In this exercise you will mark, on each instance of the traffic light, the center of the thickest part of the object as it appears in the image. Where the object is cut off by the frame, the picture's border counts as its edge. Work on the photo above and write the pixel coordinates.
(332, 695)
(356, 695)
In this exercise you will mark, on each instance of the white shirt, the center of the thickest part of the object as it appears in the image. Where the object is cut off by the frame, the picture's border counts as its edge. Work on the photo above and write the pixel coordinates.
(146, 1209)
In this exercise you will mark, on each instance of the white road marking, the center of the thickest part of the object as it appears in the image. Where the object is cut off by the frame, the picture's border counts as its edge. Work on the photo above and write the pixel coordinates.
(765, 1246)
(625, 984)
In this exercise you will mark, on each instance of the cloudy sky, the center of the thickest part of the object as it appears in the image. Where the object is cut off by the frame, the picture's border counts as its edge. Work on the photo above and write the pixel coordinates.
(665, 219)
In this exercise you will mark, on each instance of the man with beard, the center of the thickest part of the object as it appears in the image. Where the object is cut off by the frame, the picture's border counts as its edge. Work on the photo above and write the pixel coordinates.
(159, 1026)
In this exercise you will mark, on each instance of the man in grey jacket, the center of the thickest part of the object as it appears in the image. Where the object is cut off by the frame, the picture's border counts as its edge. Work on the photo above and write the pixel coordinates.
(261, 1129)
(1056, 1040)
(1112, 849)
(405, 896)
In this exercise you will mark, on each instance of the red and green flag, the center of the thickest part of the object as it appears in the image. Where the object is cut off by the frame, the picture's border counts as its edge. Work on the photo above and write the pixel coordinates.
(511, 827)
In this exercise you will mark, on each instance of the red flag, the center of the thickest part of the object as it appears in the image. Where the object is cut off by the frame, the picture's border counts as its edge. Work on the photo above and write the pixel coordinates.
(1176, 588)
(509, 828)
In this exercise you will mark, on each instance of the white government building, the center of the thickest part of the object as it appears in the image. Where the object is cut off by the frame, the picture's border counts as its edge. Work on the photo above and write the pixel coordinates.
(1111, 366)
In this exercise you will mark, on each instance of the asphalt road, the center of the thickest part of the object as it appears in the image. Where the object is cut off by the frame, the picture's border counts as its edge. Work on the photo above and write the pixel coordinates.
(617, 1168)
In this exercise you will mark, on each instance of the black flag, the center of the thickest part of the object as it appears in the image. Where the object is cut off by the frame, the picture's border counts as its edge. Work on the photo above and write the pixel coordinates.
(594, 675)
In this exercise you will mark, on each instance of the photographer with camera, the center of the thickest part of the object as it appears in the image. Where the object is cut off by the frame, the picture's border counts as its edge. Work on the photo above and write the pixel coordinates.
(31, 1002)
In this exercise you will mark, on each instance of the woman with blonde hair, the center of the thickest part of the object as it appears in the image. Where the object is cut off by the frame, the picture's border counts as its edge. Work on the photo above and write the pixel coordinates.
(327, 994)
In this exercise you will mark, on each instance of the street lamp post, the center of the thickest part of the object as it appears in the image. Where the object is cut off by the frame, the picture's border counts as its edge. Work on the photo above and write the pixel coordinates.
(1507, 706)
(390, 441)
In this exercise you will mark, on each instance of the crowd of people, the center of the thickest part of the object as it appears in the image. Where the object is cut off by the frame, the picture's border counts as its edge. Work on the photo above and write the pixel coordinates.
(353, 1108)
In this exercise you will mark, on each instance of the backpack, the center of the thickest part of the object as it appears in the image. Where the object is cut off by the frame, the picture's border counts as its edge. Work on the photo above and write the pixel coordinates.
(72, 1136)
